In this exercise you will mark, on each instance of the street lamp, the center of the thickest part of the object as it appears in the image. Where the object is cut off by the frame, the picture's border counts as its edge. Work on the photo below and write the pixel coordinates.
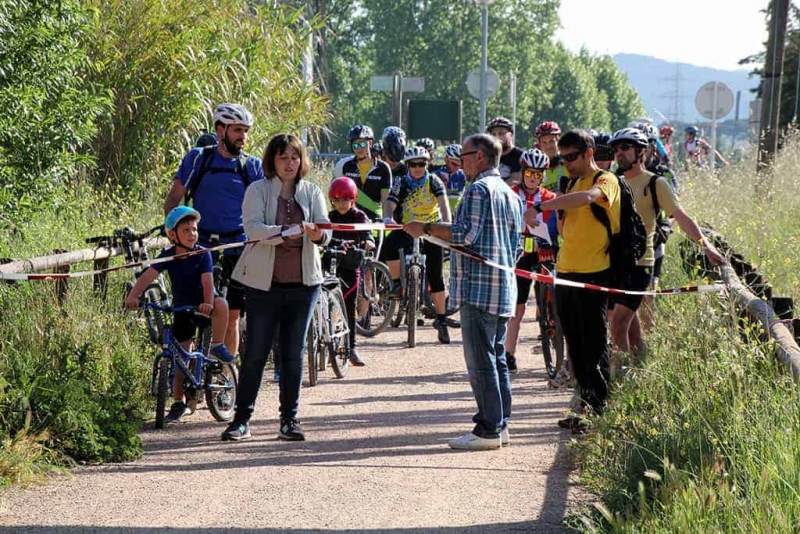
(484, 47)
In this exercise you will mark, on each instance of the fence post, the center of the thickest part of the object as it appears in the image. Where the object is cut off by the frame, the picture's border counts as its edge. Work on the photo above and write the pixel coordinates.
(100, 281)
(62, 284)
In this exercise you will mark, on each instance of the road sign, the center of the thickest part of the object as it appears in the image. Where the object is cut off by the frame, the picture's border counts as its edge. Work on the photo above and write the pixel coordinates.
(381, 83)
(474, 83)
(407, 85)
(412, 85)
(711, 94)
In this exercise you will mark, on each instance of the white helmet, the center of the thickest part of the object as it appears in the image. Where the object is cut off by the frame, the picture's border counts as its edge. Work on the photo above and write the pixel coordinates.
(453, 151)
(229, 114)
(535, 159)
(416, 152)
(631, 135)
(650, 131)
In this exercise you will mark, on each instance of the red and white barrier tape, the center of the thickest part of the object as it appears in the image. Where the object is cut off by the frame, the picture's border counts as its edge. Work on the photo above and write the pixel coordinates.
(362, 227)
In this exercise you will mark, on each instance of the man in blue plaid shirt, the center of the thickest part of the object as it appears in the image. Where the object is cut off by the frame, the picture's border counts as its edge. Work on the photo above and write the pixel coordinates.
(488, 222)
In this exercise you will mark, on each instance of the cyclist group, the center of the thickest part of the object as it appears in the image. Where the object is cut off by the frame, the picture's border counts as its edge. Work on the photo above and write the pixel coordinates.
(556, 183)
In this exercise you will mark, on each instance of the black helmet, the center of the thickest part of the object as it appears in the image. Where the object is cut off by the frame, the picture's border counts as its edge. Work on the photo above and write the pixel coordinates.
(394, 143)
(377, 148)
(602, 147)
(359, 131)
(500, 122)
(206, 139)
(426, 143)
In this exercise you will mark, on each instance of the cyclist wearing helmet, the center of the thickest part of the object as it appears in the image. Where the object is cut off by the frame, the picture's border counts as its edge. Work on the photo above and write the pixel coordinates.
(371, 175)
(377, 150)
(603, 153)
(452, 175)
(428, 144)
(343, 194)
(192, 282)
(394, 148)
(535, 250)
(698, 151)
(665, 134)
(630, 146)
(215, 178)
(419, 196)
(503, 130)
(547, 135)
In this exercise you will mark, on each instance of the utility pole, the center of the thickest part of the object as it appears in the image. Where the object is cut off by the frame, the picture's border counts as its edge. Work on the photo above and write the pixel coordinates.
(675, 96)
(771, 84)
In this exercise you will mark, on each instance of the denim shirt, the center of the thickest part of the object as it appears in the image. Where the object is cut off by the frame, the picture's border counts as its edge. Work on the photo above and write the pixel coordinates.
(489, 222)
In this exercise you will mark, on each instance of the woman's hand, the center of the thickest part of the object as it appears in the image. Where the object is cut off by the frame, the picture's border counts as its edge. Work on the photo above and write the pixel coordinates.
(313, 232)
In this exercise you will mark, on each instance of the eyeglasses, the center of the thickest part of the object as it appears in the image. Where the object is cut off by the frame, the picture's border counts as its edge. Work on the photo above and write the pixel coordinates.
(572, 157)
(417, 164)
(340, 200)
(622, 147)
(530, 172)
(471, 152)
(360, 144)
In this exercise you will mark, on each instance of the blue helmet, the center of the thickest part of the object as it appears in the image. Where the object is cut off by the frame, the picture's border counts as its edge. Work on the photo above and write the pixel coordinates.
(692, 130)
(178, 214)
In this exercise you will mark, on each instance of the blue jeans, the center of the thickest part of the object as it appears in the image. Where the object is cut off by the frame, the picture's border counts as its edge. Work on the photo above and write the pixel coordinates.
(287, 307)
(484, 337)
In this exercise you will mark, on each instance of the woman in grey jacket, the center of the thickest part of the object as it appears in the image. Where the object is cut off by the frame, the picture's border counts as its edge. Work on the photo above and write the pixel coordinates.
(282, 281)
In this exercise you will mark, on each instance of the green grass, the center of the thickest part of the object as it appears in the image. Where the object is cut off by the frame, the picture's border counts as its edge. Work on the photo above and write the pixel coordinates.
(705, 435)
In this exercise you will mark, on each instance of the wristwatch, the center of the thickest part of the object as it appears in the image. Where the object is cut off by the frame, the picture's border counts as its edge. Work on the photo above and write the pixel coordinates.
(426, 228)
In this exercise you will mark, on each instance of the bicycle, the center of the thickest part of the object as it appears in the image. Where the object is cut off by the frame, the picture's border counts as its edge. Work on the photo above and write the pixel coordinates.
(412, 274)
(328, 337)
(374, 288)
(549, 324)
(200, 373)
(134, 250)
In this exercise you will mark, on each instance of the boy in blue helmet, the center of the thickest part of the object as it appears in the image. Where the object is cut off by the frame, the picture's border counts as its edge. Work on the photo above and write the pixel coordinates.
(192, 285)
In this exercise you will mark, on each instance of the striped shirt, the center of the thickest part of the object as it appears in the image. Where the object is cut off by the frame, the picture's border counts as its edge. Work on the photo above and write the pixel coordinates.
(488, 221)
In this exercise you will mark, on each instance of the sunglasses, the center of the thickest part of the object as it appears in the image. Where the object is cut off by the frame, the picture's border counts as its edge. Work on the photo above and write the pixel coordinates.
(417, 164)
(622, 147)
(572, 157)
(471, 152)
(360, 144)
(530, 172)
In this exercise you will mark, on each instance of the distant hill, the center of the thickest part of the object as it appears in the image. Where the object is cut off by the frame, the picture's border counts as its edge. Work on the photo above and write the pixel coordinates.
(654, 79)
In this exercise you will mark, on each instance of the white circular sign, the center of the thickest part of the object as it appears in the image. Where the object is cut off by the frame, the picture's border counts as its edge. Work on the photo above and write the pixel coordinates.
(704, 100)
(474, 83)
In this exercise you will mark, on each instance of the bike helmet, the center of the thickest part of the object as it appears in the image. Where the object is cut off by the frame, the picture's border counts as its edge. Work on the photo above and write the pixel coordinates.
(426, 143)
(377, 148)
(394, 143)
(343, 187)
(548, 128)
(666, 130)
(631, 135)
(649, 131)
(416, 152)
(535, 158)
(359, 131)
(692, 130)
(178, 214)
(229, 114)
(602, 147)
(500, 122)
(453, 151)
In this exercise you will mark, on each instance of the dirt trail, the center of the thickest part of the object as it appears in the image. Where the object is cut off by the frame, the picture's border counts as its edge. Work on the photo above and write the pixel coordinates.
(375, 460)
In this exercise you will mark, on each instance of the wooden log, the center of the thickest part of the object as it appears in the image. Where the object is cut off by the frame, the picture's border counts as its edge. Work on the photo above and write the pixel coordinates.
(49, 263)
(786, 347)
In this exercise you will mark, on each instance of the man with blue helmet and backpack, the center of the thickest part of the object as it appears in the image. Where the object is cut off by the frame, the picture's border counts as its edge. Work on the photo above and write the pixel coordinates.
(213, 179)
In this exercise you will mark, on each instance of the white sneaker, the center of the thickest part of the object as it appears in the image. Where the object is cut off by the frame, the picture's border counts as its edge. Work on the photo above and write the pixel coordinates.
(471, 442)
(505, 438)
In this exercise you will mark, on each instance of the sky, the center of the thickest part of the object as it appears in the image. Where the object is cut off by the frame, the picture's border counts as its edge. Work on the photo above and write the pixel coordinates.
(706, 33)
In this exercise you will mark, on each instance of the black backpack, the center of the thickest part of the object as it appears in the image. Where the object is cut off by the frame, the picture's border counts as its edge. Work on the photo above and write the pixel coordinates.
(629, 245)
(663, 226)
(206, 166)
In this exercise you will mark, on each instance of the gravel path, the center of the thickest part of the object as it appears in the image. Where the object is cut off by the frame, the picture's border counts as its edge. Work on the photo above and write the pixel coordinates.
(375, 460)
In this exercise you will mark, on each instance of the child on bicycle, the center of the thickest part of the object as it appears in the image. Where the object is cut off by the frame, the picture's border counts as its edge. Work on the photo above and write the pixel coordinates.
(342, 193)
(192, 285)
(535, 250)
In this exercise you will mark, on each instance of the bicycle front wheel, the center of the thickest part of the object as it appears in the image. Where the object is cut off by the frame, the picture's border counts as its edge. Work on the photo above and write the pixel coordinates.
(547, 329)
(312, 348)
(339, 347)
(376, 284)
(412, 303)
(162, 390)
(221, 380)
(154, 294)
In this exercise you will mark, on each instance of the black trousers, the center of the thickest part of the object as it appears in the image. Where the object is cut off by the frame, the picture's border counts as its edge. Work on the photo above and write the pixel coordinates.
(583, 320)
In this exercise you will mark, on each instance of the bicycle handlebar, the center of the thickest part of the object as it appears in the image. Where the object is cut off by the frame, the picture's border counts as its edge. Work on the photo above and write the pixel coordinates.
(172, 309)
(125, 234)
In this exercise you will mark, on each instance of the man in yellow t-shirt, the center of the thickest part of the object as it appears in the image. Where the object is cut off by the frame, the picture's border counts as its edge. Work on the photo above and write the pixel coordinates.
(630, 146)
(583, 257)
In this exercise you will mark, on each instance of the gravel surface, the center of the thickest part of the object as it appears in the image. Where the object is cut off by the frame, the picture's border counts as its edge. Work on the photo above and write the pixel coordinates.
(376, 460)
